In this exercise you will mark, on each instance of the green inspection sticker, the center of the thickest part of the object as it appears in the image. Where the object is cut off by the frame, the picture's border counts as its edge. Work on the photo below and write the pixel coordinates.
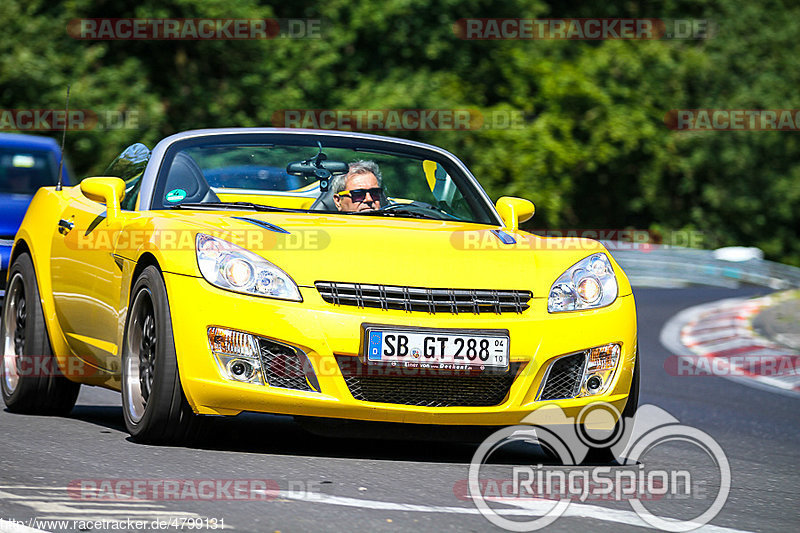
(176, 195)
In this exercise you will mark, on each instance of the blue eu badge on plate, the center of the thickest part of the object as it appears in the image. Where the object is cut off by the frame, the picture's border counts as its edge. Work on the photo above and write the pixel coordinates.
(374, 347)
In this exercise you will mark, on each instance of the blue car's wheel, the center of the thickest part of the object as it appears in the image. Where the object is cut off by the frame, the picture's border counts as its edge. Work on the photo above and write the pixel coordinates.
(32, 381)
(153, 404)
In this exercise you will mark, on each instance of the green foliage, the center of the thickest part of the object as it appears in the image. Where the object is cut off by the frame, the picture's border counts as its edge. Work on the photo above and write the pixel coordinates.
(592, 150)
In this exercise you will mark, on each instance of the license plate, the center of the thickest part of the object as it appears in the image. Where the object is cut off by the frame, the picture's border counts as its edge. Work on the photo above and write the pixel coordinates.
(450, 350)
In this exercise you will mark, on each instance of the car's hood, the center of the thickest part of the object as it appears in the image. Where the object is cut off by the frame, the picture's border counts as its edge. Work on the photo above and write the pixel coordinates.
(392, 251)
(12, 212)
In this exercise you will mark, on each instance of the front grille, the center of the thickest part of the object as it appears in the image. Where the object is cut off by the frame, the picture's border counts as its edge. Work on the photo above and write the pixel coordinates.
(442, 390)
(424, 299)
(284, 366)
(564, 378)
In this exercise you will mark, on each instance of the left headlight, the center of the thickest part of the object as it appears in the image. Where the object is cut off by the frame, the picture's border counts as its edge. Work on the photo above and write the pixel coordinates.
(228, 266)
(588, 284)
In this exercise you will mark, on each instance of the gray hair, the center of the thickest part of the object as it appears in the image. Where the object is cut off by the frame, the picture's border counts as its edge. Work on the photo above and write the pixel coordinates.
(356, 167)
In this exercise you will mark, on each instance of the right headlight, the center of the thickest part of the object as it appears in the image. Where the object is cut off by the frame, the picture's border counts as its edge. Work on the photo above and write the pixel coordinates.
(588, 284)
(232, 267)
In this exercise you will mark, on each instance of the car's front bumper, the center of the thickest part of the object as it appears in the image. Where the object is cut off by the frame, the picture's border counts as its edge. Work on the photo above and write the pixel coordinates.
(323, 331)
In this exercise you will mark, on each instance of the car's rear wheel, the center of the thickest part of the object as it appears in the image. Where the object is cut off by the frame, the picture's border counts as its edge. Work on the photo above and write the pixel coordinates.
(153, 404)
(32, 382)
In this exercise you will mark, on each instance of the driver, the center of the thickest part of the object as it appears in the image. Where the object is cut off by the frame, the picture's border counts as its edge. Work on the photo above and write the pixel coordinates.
(359, 189)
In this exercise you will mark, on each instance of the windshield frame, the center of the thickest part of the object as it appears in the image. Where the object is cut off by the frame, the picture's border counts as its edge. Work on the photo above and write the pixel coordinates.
(155, 176)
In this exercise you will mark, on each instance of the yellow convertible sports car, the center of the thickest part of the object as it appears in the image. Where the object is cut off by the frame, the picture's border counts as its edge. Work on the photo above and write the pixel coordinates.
(310, 273)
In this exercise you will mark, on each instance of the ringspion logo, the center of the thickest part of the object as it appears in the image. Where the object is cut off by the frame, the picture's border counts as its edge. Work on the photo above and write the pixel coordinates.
(570, 439)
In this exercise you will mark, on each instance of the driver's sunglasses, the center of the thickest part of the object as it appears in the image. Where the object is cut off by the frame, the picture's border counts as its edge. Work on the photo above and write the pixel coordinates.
(359, 195)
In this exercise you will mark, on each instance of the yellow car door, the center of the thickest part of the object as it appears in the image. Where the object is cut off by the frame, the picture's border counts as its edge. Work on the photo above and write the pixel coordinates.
(86, 279)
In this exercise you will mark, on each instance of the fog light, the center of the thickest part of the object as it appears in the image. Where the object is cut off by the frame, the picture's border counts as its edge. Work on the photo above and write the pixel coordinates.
(237, 355)
(241, 370)
(594, 383)
(600, 367)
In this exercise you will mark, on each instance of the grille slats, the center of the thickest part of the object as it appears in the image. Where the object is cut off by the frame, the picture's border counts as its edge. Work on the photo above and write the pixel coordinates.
(282, 366)
(430, 300)
(445, 390)
(564, 377)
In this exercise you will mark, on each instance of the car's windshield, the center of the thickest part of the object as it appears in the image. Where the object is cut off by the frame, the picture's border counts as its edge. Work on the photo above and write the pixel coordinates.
(23, 171)
(314, 177)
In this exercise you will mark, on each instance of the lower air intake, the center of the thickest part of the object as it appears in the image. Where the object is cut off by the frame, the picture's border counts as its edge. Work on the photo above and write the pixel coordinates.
(284, 367)
(444, 390)
(564, 378)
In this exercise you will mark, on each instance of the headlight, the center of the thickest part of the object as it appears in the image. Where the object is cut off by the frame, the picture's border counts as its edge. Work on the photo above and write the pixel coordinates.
(231, 267)
(588, 284)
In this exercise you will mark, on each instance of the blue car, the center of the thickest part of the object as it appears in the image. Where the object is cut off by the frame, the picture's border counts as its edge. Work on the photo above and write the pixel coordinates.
(27, 162)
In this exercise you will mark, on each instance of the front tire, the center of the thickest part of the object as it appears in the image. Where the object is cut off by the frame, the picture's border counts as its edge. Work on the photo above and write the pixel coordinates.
(31, 380)
(153, 404)
(605, 455)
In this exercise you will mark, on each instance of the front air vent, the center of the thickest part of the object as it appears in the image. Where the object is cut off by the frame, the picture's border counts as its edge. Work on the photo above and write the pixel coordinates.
(286, 367)
(563, 379)
(442, 390)
(423, 299)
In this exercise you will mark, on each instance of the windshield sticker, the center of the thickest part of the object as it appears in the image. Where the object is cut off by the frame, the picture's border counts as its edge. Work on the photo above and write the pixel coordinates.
(23, 161)
(176, 195)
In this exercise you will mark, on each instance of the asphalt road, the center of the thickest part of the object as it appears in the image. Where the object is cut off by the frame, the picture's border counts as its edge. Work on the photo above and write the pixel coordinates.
(385, 485)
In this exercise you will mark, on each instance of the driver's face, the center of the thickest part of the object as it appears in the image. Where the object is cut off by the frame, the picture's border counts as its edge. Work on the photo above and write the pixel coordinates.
(358, 181)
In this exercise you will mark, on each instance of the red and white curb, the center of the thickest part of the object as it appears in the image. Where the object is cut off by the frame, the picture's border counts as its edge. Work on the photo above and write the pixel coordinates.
(719, 336)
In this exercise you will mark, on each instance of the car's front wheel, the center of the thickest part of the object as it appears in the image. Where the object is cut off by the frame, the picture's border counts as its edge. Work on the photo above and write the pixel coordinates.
(32, 382)
(153, 404)
(623, 427)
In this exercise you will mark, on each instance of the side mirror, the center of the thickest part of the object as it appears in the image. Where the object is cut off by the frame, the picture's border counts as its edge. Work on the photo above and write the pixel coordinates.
(105, 190)
(514, 211)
